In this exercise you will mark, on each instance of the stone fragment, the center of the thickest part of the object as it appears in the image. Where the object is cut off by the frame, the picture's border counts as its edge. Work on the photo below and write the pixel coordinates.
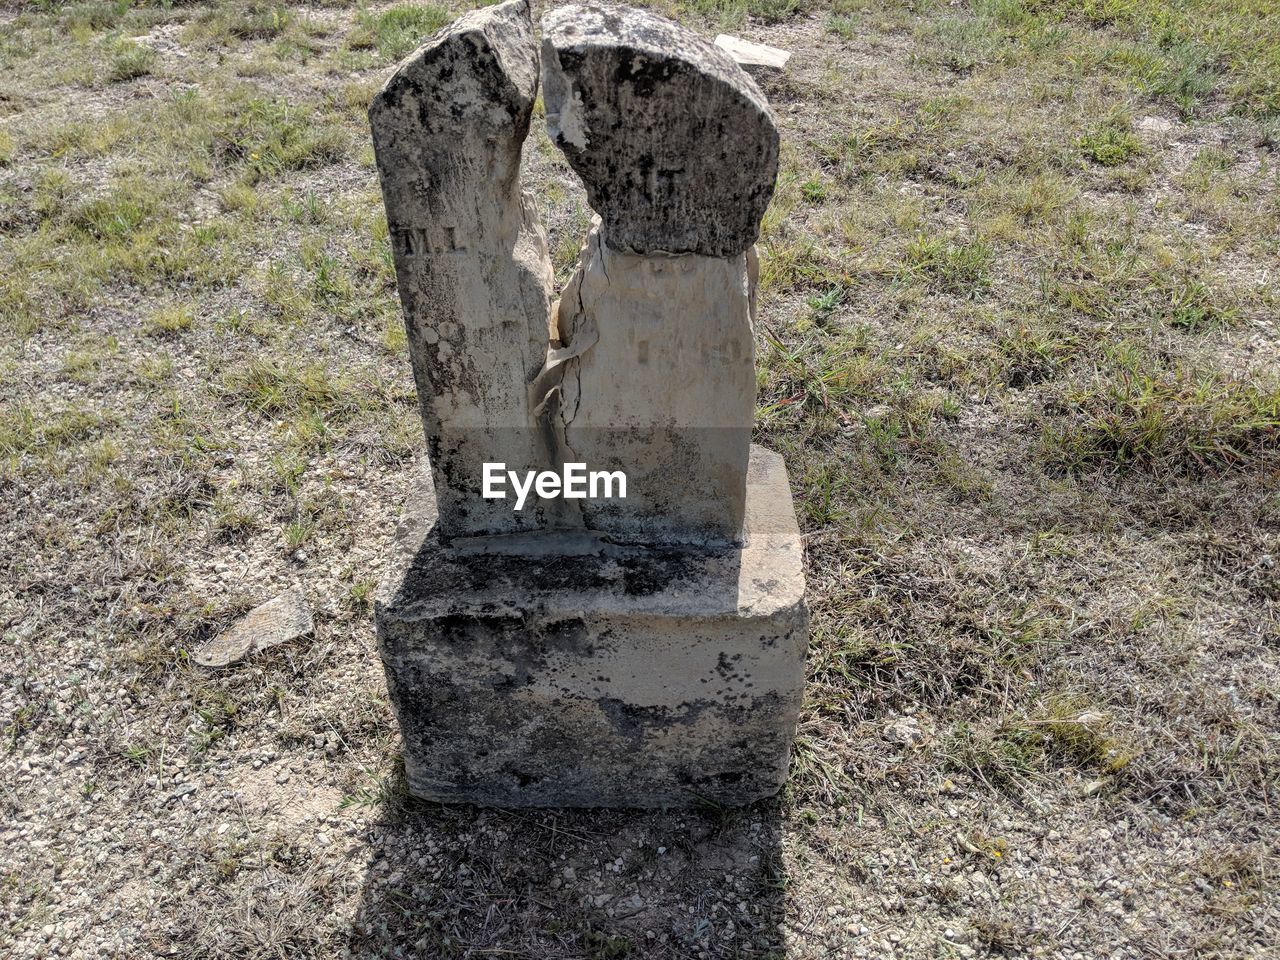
(665, 391)
(472, 264)
(281, 619)
(753, 57)
(183, 790)
(904, 732)
(1155, 124)
(676, 145)
(626, 678)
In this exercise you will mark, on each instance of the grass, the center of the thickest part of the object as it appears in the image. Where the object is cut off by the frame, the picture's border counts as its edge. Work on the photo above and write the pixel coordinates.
(1068, 731)
(1015, 342)
(130, 60)
(954, 265)
(169, 320)
(1181, 419)
(265, 137)
(1245, 38)
(1112, 142)
(397, 31)
(23, 431)
(735, 12)
(273, 389)
(254, 20)
(1195, 307)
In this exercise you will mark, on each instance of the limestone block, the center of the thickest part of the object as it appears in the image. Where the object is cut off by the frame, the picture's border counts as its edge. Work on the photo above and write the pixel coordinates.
(619, 677)
(664, 390)
(471, 257)
(282, 618)
(755, 58)
(677, 146)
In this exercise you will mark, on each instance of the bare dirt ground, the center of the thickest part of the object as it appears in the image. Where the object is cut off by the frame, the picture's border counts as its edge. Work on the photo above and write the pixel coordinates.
(1018, 346)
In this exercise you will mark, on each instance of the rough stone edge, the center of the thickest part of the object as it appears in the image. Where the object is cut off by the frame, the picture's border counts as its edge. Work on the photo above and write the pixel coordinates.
(564, 125)
(769, 521)
(474, 22)
(729, 70)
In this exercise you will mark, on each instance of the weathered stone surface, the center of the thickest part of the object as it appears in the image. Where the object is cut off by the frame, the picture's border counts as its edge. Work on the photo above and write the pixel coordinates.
(904, 732)
(279, 620)
(646, 651)
(755, 58)
(664, 390)
(472, 264)
(675, 143)
(623, 677)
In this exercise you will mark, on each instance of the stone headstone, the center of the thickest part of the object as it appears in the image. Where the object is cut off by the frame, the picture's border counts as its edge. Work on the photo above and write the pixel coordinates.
(471, 257)
(604, 651)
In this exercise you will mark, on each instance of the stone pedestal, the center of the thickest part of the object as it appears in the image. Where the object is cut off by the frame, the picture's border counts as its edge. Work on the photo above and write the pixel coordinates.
(581, 674)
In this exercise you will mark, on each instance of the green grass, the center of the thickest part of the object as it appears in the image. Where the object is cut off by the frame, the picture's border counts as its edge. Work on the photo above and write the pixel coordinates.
(1066, 731)
(130, 60)
(1194, 306)
(1112, 142)
(397, 31)
(122, 212)
(265, 137)
(1243, 36)
(169, 320)
(286, 389)
(253, 20)
(1032, 354)
(954, 265)
(1178, 419)
(24, 430)
(735, 12)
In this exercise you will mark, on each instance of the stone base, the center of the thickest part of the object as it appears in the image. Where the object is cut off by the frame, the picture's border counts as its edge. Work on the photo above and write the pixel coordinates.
(610, 678)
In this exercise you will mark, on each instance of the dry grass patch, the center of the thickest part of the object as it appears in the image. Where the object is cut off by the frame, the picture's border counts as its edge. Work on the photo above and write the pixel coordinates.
(1016, 330)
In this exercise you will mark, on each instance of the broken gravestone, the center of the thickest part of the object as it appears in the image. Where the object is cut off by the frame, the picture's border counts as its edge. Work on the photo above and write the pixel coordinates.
(758, 59)
(643, 650)
(281, 619)
(471, 256)
(676, 145)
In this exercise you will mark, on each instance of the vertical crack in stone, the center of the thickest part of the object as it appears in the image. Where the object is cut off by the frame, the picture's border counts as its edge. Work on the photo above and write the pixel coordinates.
(678, 150)
(580, 334)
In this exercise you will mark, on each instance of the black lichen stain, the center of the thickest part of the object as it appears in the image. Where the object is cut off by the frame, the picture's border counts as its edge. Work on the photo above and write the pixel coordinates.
(483, 745)
(644, 72)
(639, 572)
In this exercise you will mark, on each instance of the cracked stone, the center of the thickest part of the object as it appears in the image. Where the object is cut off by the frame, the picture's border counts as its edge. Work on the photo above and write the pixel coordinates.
(472, 263)
(675, 143)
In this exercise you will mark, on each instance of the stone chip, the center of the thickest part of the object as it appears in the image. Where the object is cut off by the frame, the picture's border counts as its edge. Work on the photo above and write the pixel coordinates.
(279, 620)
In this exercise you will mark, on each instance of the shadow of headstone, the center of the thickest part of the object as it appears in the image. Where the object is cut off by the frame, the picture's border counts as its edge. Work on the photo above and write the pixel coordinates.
(470, 882)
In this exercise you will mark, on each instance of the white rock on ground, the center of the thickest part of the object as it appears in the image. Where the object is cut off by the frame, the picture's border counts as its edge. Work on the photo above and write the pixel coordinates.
(753, 57)
(281, 619)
